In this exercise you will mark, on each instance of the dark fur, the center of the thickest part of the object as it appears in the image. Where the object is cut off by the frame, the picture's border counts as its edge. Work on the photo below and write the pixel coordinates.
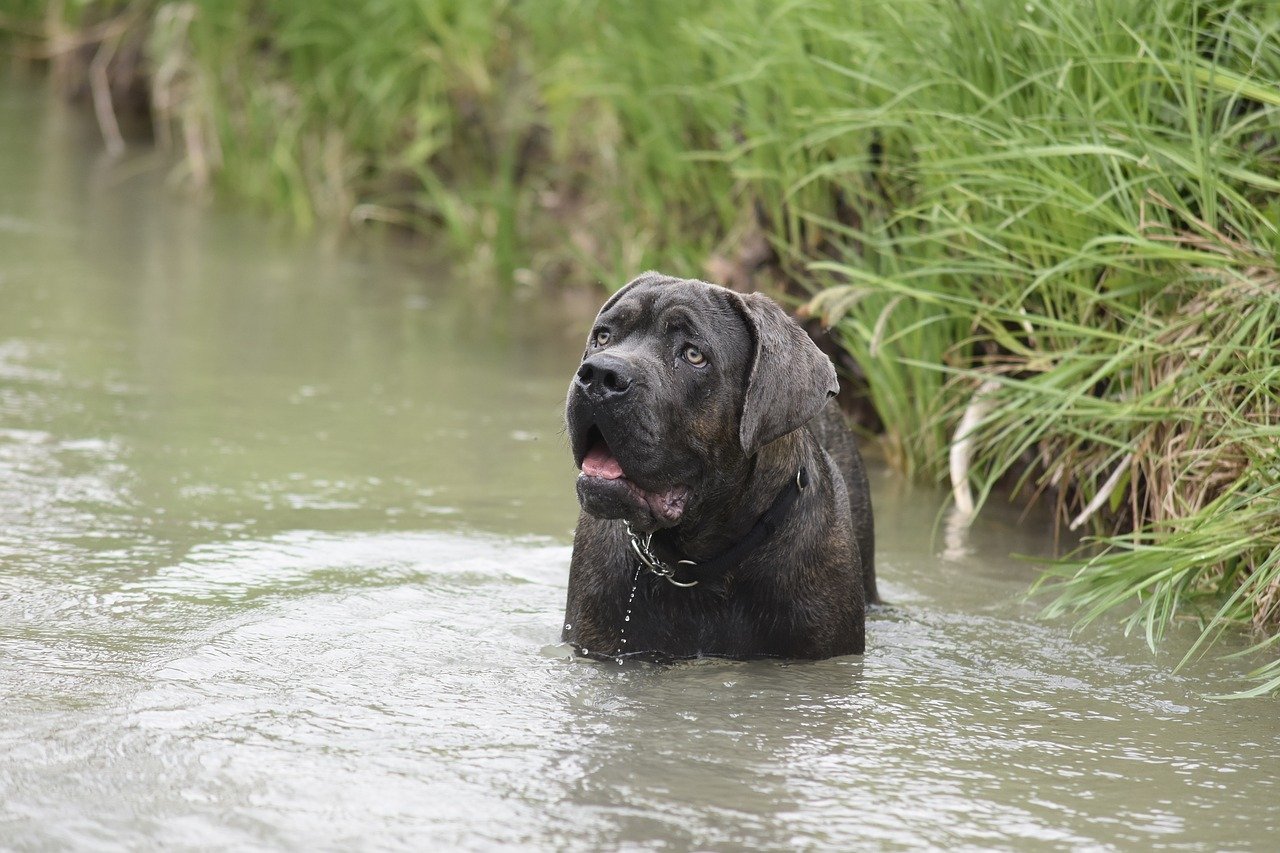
(735, 433)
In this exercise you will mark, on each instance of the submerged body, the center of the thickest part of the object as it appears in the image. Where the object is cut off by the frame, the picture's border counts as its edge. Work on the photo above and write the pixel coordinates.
(702, 424)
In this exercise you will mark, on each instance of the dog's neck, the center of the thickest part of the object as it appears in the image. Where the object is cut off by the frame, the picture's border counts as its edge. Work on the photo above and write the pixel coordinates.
(729, 510)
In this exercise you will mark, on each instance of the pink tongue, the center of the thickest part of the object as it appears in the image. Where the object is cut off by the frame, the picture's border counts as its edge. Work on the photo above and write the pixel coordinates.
(599, 462)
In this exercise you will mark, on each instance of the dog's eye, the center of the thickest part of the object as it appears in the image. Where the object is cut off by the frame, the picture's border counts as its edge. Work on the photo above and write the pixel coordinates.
(601, 338)
(694, 356)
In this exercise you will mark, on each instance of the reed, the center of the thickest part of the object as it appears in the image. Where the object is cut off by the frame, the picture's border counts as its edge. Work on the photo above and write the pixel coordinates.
(1089, 233)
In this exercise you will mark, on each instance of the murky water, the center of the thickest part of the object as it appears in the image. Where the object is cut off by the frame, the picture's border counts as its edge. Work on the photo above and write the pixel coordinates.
(283, 543)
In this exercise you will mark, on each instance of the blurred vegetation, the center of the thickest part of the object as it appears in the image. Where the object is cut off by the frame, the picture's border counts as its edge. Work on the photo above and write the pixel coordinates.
(1055, 223)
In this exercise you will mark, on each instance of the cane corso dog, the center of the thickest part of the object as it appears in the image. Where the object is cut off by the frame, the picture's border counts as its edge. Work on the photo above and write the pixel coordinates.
(725, 508)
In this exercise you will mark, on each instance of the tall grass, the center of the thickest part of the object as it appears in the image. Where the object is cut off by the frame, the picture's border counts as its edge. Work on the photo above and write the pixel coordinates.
(1093, 219)
(1060, 218)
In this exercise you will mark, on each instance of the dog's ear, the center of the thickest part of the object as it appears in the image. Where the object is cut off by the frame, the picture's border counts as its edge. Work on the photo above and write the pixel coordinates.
(790, 379)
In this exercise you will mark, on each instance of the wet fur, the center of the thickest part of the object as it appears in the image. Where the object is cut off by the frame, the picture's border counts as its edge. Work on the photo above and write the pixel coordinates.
(803, 592)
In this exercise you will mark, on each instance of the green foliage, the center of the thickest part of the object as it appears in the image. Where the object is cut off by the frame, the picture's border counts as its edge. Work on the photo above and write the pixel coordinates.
(336, 109)
(1070, 205)
(1090, 214)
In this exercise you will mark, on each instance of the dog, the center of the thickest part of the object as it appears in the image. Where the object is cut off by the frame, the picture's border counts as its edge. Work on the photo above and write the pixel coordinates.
(725, 509)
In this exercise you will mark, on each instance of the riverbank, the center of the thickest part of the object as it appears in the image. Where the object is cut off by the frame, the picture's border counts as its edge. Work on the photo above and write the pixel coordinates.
(1045, 235)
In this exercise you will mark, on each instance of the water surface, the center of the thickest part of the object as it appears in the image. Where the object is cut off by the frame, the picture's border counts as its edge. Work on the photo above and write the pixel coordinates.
(284, 534)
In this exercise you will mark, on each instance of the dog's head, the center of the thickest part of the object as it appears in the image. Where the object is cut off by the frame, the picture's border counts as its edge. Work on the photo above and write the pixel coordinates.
(681, 383)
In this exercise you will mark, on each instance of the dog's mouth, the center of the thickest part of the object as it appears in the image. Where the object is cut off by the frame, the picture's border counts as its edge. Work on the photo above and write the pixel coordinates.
(602, 469)
(600, 461)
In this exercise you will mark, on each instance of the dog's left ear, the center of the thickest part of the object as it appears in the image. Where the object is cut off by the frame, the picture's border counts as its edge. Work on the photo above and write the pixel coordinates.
(790, 378)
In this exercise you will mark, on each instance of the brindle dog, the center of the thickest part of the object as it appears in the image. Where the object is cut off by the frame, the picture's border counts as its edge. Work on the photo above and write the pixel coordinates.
(725, 508)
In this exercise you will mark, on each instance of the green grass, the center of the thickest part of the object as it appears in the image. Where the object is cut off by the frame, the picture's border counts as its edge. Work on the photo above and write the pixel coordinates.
(1072, 206)
(1092, 221)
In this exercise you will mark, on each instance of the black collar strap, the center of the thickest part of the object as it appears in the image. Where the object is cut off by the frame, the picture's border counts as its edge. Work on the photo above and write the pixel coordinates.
(686, 573)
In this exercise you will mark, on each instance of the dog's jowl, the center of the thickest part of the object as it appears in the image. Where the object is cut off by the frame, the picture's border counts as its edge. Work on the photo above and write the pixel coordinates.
(725, 509)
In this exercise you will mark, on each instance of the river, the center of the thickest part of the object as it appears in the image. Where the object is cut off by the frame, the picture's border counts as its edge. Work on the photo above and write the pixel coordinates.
(284, 535)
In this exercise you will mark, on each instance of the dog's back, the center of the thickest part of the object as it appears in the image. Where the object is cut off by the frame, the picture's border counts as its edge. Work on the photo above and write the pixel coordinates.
(837, 440)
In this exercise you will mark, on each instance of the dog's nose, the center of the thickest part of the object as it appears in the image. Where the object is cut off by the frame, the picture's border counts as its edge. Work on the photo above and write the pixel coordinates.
(605, 376)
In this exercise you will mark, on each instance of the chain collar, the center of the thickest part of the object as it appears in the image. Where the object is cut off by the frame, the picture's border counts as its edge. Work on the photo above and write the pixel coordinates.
(765, 526)
(641, 546)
